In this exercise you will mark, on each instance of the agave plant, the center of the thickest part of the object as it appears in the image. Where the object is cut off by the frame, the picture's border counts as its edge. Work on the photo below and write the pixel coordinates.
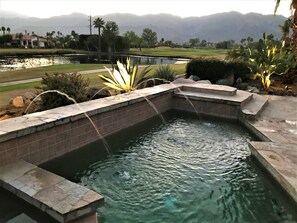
(124, 77)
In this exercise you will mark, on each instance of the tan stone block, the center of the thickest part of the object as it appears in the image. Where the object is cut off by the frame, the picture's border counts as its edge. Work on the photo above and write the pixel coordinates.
(18, 102)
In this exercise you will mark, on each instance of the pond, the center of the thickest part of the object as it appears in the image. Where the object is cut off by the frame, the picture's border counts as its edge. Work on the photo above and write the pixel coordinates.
(17, 63)
(184, 170)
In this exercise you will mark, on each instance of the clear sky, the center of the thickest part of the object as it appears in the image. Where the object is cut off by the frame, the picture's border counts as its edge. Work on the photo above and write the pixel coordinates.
(44, 8)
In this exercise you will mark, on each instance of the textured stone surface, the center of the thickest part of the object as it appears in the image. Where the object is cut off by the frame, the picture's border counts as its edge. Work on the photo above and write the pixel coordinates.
(63, 200)
(255, 106)
(209, 95)
(281, 161)
(277, 124)
(211, 89)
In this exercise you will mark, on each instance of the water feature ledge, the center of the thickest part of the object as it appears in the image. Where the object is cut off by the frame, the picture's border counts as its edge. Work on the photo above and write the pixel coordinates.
(62, 199)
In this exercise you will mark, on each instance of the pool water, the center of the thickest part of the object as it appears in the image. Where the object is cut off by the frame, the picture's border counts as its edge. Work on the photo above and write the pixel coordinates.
(186, 170)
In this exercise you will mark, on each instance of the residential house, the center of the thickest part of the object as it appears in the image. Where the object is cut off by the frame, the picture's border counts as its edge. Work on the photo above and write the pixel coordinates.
(29, 41)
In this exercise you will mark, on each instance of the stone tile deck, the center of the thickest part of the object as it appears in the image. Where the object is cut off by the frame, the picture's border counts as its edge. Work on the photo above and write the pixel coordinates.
(65, 201)
(281, 161)
(277, 127)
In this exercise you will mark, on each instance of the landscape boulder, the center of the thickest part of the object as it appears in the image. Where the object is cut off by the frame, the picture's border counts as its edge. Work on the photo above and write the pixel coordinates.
(18, 102)
(183, 81)
(194, 78)
(29, 95)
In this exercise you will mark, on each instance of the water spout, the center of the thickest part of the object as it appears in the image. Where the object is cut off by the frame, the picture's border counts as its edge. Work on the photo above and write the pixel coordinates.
(178, 88)
(74, 101)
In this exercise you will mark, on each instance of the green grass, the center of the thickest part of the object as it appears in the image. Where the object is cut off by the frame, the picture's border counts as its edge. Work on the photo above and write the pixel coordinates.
(23, 51)
(40, 71)
(25, 86)
(180, 52)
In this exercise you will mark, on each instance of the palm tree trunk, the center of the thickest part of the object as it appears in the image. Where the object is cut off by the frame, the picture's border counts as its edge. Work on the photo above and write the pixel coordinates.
(295, 30)
(99, 41)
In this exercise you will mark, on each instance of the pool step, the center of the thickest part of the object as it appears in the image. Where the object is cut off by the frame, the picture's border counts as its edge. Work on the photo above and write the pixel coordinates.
(62, 199)
(211, 89)
(254, 107)
(214, 93)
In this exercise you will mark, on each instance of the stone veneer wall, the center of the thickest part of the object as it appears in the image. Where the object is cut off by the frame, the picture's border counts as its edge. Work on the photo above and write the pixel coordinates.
(52, 142)
(209, 108)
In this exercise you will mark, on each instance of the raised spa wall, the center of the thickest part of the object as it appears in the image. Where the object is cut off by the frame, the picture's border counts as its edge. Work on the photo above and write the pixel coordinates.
(42, 136)
(39, 137)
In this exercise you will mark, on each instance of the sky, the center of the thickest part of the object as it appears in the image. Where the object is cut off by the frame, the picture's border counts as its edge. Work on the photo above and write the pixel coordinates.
(187, 8)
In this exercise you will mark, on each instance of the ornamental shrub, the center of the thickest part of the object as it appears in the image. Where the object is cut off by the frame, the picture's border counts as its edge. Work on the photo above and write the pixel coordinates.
(72, 84)
(164, 74)
(213, 69)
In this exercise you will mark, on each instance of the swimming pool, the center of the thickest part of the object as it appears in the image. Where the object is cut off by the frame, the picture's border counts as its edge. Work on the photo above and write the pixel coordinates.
(184, 170)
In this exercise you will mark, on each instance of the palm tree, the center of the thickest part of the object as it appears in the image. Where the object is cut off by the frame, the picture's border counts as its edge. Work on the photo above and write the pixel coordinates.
(110, 33)
(99, 23)
(285, 28)
(294, 23)
(3, 30)
(19, 36)
(8, 30)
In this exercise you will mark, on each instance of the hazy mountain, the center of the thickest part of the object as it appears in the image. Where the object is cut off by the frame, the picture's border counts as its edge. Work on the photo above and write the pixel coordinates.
(216, 27)
(9, 14)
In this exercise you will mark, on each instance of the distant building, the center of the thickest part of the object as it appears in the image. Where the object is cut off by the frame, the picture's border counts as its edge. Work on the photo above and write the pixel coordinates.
(29, 41)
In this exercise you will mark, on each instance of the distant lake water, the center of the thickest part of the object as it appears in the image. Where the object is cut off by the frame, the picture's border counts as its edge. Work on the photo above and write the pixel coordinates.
(17, 63)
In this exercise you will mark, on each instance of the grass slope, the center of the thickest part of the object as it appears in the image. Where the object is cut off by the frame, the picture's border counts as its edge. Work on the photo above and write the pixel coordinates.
(180, 52)
(40, 71)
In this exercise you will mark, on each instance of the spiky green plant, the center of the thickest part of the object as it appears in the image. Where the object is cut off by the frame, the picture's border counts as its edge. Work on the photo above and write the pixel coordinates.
(269, 58)
(124, 77)
(164, 74)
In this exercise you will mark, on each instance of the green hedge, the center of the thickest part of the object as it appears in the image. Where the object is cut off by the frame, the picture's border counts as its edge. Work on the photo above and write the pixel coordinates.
(214, 69)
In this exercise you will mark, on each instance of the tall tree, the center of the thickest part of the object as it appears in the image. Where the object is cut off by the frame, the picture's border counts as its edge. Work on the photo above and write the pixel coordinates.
(99, 23)
(132, 38)
(8, 30)
(110, 33)
(285, 28)
(3, 30)
(149, 37)
(19, 36)
(194, 42)
(294, 22)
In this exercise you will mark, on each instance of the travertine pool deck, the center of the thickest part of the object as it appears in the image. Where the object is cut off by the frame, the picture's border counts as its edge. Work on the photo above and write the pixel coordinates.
(60, 198)
(277, 127)
(281, 161)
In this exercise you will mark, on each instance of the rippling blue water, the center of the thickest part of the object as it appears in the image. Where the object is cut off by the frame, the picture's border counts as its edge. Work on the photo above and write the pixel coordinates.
(188, 171)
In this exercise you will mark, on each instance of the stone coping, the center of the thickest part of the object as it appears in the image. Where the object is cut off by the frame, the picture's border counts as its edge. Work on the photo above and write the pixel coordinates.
(281, 162)
(62, 199)
(240, 98)
(209, 89)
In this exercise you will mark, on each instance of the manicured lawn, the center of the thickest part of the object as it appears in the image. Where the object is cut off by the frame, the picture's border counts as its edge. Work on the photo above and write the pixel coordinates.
(40, 71)
(180, 52)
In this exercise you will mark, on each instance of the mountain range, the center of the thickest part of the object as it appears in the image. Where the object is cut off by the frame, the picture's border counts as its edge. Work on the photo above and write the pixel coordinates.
(213, 28)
